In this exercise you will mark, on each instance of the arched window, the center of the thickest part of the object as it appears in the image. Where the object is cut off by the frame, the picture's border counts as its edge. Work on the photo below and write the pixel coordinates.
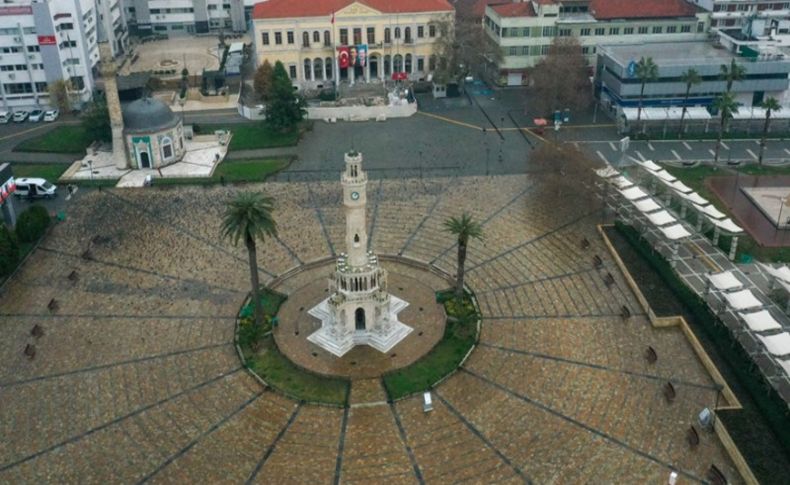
(318, 69)
(316, 37)
(328, 65)
(305, 39)
(397, 32)
(308, 75)
(387, 65)
(408, 63)
(387, 36)
(407, 34)
(432, 63)
(397, 63)
(167, 148)
(327, 39)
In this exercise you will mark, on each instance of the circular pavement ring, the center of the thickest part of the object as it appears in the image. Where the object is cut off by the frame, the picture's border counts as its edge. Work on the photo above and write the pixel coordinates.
(413, 282)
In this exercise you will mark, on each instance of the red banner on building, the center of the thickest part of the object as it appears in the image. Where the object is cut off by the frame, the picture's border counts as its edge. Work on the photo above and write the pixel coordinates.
(47, 40)
(342, 57)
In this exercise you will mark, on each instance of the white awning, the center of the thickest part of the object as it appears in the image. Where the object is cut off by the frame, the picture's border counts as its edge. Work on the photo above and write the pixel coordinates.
(634, 193)
(710, 210)
(650, 166)
(785, 365)
(694, 198)
(726, 225)
(675, 232)
(778, 344)
(622, 182)
(742, 300)
(661, 218)
(780, 273)
(681, 187)
(646, 205)
(665, 176)
(760, 321)
(607, 172)
(724, 281)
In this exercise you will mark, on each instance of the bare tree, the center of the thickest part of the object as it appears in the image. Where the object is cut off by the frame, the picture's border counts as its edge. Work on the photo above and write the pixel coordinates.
(59, 95)
(565, 174)
(463, 48)
(560, 80)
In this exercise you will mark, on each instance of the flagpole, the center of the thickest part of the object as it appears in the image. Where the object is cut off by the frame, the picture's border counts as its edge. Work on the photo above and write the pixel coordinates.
(336, 70)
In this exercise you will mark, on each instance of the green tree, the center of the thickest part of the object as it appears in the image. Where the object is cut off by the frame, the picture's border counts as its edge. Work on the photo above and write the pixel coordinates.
(726, 105)
(248, 217)
(32, 223)
(463, 48)
(733, 72)
(646, 71)
(9, 252)
(769, 104)
(463, 228)
(59, 95)
(691, 77)
(96, 120)
(285, 109)
(262, 83)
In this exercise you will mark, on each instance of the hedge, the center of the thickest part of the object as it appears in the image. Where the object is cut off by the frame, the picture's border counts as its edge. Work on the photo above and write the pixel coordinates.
(32, 224)
(9, 252)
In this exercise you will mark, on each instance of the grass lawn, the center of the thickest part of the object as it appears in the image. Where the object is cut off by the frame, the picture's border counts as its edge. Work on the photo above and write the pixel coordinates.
(63, 139)
(460, 335)
(49, 171)
(695, 178)
(234, 171)
(251, 136)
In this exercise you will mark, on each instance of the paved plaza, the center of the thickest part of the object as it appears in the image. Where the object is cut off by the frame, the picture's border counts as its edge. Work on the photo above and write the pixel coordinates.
(136, 377)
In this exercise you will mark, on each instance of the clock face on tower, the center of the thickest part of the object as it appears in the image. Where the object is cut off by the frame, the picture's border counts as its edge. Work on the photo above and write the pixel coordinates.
(354, 195)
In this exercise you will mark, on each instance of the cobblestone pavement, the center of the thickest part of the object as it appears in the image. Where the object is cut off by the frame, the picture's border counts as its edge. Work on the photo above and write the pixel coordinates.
(136, 377)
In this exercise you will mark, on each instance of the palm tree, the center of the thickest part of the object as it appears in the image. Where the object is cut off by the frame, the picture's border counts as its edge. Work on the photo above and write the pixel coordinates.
(691, 77)
(465, 228)
(248, 217)
(733, 72)
(769, 104)
(726, 105)
(646, 71)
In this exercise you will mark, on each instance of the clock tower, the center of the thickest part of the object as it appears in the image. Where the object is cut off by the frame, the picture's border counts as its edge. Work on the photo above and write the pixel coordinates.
(359, 310)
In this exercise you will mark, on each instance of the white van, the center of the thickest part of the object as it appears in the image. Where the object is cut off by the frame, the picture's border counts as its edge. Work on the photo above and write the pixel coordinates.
(5, 116)
(35, 187)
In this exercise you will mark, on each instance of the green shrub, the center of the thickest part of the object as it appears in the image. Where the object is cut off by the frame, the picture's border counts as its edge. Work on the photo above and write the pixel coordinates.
(32, 223)
(9, 252)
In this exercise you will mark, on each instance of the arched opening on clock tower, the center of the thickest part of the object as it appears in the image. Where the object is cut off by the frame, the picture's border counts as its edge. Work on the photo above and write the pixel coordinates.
(359, 319)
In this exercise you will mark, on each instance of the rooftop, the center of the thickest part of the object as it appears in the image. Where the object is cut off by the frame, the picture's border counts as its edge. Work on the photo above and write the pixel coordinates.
(521, 9)
(317, 8)
(641, 9)
(669, 52)
(147, 115)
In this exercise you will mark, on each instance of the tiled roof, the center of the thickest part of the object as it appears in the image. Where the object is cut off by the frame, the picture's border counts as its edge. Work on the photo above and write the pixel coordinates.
(521, 9)
(629, 9)
(478, 8)
(318, 8)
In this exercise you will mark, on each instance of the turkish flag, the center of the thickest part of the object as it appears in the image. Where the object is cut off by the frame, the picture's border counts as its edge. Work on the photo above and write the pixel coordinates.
(342, 57)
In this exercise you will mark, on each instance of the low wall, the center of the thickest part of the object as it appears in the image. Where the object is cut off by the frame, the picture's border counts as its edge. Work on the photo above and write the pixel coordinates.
(343, 113)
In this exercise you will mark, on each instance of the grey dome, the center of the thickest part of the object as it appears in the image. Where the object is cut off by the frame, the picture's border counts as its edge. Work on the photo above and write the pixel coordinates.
(147, 115)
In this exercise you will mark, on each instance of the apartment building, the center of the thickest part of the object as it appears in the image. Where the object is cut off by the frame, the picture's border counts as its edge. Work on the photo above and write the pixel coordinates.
(350, 41)
(759, 18)
(525, 30)
(42, 41)
(111, 25)
(183, 17)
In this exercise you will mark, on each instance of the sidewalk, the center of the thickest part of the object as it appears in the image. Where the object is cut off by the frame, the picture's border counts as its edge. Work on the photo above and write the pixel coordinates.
(263, 153)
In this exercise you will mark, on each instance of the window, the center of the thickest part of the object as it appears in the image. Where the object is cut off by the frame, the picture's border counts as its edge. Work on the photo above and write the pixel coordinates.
(685, 29)
(278, 38)
(77, 82)
(371, 35)
(305, 39)
(431, 30)
(432, 63)
(308, 76)
(290, 37)
(585, 32)
(327, 39)
(328, 67)
(628, 31)
(586, 50)
(505, 31)
(614, 30)
(387, 37)
(525, 31)
(599, 31)
(525, 50)
(397, 32)
(657, 29)
(643, 30)
(549, 31)
(343, 36)
(544, 49)
(407, 63)
(672, 29)
(292, 71)
(420, 64)
(565, 32)
(357, 36)
(167, 148)
(513, 51)
(407, 35)
(420, 32)
(316, 37)
(33, 48)
(701, 27)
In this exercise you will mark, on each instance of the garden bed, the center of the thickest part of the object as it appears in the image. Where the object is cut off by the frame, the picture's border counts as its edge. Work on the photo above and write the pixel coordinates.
(460, 336)
(761, 430)
(253, 136)
(63, 139)
(234, 171)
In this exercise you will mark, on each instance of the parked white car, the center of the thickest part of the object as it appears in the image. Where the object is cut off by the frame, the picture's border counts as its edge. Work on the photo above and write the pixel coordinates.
(35, 187)
(20, 116)
(5, 116)
(35, 116)
(51, 115)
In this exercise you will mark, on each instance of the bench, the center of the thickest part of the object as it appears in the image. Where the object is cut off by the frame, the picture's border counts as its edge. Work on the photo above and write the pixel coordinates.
(669, 392)
(585, 243)
(597, 261)
(608, 280)
(692, 437)
(625, 313)
(715, 476)
(650, 355)
(427, 402)
(73, 276)
(87, 255)
(30, 351)
(53, 305)
(37, 331)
